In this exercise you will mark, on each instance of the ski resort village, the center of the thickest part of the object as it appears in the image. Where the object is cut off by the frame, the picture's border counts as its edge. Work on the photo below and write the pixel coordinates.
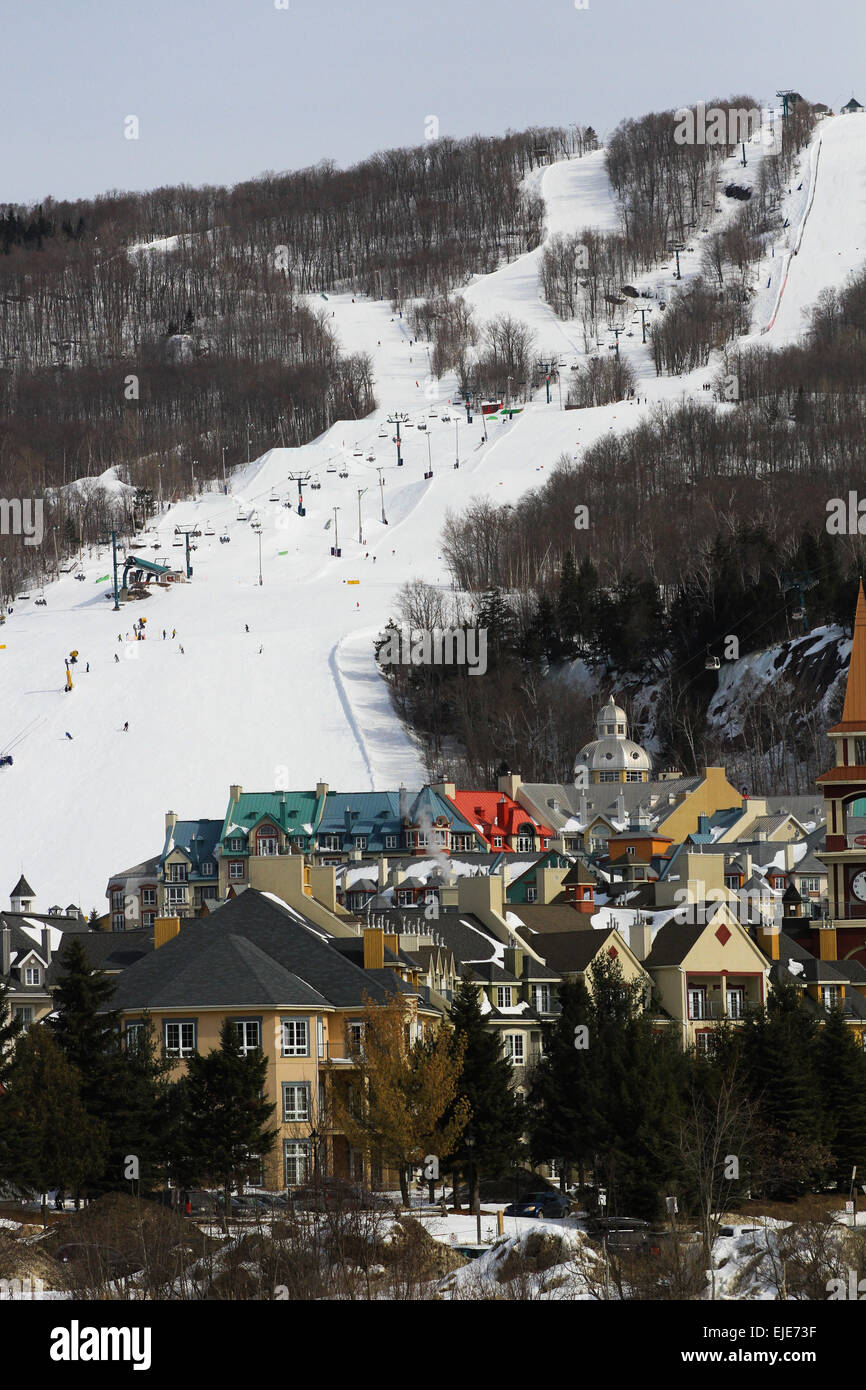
(433, 722)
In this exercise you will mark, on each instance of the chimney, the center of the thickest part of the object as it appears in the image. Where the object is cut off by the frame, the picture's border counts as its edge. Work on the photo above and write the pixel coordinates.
(5, 950)
(789, 855)
(392, 942)
(620, 806)
(382, 878)
(46, 945)
(747, 864)
(170, 821)
(509, 784)
(235, 792)
(374, 948)
(582, 808)
(639, 937)
(768, 940)
(321, 790)
(164, 928)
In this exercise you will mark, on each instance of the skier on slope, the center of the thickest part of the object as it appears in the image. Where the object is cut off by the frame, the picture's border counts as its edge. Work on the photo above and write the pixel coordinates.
(126, 727)
(69, 736)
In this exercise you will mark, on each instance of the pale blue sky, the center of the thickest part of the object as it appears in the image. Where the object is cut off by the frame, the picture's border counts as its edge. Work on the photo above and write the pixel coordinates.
(225, 89)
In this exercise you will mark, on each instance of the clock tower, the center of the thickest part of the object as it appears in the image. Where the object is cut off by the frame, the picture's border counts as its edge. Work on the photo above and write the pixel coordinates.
(845, 852)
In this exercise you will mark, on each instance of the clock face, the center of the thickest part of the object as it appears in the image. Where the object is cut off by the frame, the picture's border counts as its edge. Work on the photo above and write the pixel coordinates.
(858, 886)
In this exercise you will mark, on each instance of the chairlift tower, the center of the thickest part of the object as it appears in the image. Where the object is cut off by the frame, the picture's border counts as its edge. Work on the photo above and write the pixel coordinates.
(300, 479)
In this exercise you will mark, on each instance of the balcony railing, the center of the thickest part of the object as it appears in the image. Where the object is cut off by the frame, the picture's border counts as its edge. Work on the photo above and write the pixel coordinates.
(708, 1009)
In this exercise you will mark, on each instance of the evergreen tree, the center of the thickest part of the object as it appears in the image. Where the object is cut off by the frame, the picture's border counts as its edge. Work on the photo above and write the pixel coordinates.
(11, 1028)
(841, 1071)
(51, 1141)
(123, 1088)
(779, 1048)
(485, 1086)
(562, 1102)
(226, 1120)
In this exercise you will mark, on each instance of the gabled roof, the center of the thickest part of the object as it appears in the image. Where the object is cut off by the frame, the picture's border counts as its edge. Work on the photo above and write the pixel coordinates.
(495, 814)
(570, 952)
(253, 951)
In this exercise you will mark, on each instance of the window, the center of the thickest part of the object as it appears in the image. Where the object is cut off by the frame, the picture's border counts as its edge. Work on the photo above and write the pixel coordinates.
(32, 975)
(296, 1159)
(267, 844)
(531, 893)
(523, 842)
(209, 892)
(355, 1035)
(503, 996)
(421, 839)
(390, 841)
(118, 921)
(320, 1036)
(497, 842)
(405, 897)
(236, 868)
(360, 842)
(177, 873)
(295, 1037)
(629, 849)
(235, 845)
(207, 869)
(148, 897)
(831, 995)
(810, 885)
(514, 1048)
(633, 776)
(541, 998)
(608, 777)
(736, 1002)
(706, 1043)
(296, 1102)
(133, 1034)
(331, 842)
(117, 899)
(24, 1012)
(179, 1039)
(147, 920)
(440, 837)
(175, 897)
(697, 1003)
(249, 1032)
(431, 895)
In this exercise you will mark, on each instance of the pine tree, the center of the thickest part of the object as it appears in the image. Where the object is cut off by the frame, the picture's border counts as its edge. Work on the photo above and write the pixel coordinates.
(226, 1119)
(122, 1087)
(562, 1104)
(11, 1028)
(51, 1139)
(485, 1087)
(841, 1071)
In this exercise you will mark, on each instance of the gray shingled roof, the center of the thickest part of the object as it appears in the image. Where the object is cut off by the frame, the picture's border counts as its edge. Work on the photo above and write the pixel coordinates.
(253, 951)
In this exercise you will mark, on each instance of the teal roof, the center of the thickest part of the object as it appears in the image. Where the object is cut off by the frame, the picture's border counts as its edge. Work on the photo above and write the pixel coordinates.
(294, 813)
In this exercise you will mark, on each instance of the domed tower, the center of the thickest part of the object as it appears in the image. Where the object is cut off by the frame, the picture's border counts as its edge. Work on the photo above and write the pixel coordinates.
(612, 756)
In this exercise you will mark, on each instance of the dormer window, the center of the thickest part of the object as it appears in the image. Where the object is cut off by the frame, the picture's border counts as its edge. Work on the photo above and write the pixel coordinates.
(235, 845)
(177, 873)
(267, 843)
(32, 975)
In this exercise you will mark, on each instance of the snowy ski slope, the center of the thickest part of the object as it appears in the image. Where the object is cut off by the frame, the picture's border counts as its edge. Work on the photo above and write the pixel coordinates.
(298, 699)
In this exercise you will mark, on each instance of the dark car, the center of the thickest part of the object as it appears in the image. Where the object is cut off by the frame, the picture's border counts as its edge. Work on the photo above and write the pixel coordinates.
(334, 1194)
(540, 1204)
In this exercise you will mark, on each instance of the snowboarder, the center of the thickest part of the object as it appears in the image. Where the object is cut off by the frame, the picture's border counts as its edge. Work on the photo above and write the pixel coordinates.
(246, 627)
(181, 651)
(126, 727)
(88, 667)
(119, 638)
(173, 633)
(69, 736)
(117, 658)
(163, 634)
(261, 649)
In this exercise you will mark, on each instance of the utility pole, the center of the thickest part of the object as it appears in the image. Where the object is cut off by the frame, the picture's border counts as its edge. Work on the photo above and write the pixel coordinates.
(114, 562)
(456, 443)
(299, 478)
(361, 541)
(225, 484)
(398, 418)
(382, 493)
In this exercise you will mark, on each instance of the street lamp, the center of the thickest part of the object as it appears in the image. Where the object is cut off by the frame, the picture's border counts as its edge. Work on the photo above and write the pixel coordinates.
(469, 1137)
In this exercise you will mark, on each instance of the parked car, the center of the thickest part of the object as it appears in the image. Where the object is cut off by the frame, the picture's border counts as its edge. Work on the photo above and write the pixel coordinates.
(540, 1204)
(334, 1194)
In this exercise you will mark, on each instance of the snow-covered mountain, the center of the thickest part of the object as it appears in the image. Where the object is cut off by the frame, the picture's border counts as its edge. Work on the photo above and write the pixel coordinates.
(297, 698)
